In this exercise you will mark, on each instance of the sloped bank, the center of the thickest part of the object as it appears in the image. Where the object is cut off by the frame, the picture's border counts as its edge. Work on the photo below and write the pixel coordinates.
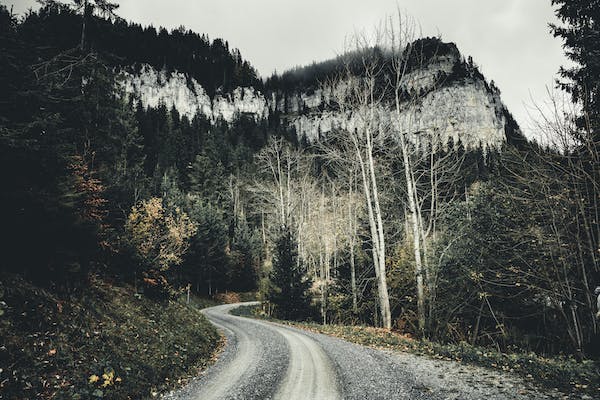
(104, 342)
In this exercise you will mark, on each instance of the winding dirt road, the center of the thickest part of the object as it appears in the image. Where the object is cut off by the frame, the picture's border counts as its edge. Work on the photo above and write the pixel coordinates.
(264, 360)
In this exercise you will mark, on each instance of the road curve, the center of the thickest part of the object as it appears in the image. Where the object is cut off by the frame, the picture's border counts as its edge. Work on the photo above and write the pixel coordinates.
(264, 360)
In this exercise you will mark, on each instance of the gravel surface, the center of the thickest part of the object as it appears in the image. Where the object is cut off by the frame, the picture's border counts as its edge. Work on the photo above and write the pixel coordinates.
(264, 360)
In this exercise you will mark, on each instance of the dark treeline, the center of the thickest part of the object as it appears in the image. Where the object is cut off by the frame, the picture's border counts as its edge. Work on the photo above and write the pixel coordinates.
(419, 54)
(213, 64)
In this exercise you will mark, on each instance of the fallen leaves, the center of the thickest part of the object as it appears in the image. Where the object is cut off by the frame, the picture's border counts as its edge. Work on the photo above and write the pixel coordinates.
(108, 378)
(87, 351)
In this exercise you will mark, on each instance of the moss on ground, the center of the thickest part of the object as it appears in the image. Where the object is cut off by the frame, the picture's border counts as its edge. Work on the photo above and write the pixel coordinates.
(104, 342)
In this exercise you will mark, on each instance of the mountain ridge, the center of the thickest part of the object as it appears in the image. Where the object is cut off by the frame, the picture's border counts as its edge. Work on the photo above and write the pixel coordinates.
(185, 70)
(456, 101)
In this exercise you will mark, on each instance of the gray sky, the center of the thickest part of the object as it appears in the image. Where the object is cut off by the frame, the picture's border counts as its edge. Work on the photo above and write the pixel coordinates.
(508, 39)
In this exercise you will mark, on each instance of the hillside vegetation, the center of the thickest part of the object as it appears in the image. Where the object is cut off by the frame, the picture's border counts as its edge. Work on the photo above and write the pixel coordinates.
(99, 342)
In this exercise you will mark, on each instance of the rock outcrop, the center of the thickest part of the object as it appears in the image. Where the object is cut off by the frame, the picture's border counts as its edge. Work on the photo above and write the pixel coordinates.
(175, 89)
(450, 101)
(455, 103)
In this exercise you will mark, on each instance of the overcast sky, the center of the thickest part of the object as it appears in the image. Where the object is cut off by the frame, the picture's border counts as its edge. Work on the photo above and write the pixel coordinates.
(508, 39)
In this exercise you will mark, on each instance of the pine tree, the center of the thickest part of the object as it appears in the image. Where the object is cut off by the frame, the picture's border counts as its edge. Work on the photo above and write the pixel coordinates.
(290, 285)
(207, 178)
(581, 38)
(245, 255)
(206, 262)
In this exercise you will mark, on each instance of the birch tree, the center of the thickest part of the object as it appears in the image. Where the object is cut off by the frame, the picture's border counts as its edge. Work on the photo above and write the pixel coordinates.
(426, 168)
(278, 163)
(353, 144)
(281, 193)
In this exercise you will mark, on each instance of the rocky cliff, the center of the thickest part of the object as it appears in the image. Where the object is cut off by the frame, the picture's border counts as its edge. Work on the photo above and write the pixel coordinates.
(455, 102)
(450, 101)
(175, 89)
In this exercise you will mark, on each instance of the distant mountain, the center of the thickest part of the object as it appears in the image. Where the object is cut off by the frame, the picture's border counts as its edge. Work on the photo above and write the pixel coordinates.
(456, 103)
(187, 71)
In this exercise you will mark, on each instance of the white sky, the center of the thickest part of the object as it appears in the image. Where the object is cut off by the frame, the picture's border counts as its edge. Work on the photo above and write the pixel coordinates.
(508, 39)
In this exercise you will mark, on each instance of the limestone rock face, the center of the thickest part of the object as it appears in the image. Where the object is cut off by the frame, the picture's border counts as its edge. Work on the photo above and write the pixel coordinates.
(468, 113)
(247, 100)
(175, 89)
(464, 109)
(152, 88)
(450, 107)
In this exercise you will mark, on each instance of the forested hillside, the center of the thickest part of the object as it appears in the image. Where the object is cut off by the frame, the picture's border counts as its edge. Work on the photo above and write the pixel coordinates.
(102, 200)
(443, 224)
(126, 44)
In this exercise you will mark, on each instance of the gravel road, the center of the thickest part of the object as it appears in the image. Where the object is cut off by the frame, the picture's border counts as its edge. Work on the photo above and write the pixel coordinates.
(264, 360)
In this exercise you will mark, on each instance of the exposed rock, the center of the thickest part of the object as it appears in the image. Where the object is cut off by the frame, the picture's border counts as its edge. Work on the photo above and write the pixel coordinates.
(247, 101)
(468, 113)
(175, 89)
(450, 108)
(466, 110)
(152, 87)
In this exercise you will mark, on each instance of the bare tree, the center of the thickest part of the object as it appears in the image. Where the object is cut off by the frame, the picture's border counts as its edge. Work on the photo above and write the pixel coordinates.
(355, 141)
(375, 102)
(279, 162)
(426, 169)
(362, 95)
(351, 234)
(291, 195)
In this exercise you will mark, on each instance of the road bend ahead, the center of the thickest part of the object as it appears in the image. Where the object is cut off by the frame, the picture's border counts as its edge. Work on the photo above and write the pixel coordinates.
(264, 360)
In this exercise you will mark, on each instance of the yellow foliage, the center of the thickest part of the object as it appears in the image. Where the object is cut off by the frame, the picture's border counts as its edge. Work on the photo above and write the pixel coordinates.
(108, 378)
(475, 276)
(159, 236)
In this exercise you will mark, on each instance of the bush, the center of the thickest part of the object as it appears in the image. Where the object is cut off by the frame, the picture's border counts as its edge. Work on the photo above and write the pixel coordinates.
(228, 297)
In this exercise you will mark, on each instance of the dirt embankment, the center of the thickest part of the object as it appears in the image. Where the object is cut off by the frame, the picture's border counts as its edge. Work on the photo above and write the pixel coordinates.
(102, 342)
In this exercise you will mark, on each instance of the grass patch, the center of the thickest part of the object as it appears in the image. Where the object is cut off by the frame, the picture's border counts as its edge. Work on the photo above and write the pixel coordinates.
(563, 373)
(105, 342)
(246, 311)
(201, 302)
(248, 296)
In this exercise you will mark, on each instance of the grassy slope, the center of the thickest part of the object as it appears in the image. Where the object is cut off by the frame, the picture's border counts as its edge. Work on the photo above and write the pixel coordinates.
(565, 374)
(103, 343)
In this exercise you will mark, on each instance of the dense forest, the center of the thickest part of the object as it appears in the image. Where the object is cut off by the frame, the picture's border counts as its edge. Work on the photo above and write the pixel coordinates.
(58, 28)
(496, 247)
(100, 192)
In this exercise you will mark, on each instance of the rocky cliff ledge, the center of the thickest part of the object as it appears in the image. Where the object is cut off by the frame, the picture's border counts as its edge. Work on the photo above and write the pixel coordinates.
(455, 103)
